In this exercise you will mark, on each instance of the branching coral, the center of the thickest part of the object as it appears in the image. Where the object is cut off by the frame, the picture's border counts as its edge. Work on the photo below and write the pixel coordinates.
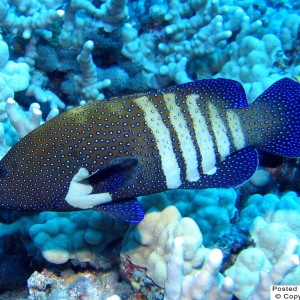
(25, 17)
(193, 30)
(200, 286)
(88, 82)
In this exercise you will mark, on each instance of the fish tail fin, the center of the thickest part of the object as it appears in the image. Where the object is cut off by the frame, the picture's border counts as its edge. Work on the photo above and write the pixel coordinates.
(272, 122)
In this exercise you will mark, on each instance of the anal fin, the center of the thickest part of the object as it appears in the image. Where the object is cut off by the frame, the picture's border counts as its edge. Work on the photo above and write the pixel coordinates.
(233, 171)
(127, 210)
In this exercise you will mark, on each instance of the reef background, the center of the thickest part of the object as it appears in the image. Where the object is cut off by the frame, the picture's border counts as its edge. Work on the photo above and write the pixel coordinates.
(57, 54)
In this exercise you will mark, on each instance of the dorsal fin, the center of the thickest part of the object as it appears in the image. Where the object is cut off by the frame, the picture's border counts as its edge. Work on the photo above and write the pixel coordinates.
(225, 93)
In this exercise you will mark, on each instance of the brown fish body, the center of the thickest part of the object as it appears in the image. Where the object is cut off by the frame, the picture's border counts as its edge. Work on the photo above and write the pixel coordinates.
(104, 154)
(45, 161)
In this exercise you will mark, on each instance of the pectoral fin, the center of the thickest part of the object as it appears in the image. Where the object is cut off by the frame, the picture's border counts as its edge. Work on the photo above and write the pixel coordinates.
(118, 173)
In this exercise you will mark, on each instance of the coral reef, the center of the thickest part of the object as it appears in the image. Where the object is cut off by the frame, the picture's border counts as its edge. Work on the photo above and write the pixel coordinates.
(174, 257)
(261, 205)
(253, 273)
(58, 237)
(162, 42)
(15, 75)
(88, 84)
(55, 54)
(171, 251)
(80, 285)
(211, 209)
(273, 225)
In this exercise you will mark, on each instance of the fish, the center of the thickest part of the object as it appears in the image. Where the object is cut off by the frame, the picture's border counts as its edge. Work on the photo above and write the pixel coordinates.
(105, 154)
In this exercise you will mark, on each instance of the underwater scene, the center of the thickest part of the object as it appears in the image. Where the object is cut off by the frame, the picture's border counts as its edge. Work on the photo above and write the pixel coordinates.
(150, 149)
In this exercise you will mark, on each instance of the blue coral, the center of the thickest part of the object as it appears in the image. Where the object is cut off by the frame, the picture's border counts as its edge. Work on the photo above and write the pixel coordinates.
(211, 209)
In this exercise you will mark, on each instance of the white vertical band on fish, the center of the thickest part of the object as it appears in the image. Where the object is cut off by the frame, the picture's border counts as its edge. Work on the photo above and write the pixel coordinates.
(220, 132)
(203, 137)
(163, 142)
(236, 129)
(185, 140)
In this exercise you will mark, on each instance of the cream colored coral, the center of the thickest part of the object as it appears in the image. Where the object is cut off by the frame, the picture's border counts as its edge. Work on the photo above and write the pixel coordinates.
(150, 243)
(206, 283)
(274, 259)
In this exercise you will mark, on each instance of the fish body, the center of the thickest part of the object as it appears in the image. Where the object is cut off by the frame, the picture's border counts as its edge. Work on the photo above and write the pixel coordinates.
(104, 154)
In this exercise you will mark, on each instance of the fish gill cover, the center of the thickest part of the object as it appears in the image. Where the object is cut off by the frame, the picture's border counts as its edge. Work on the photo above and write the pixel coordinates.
(55, 55)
